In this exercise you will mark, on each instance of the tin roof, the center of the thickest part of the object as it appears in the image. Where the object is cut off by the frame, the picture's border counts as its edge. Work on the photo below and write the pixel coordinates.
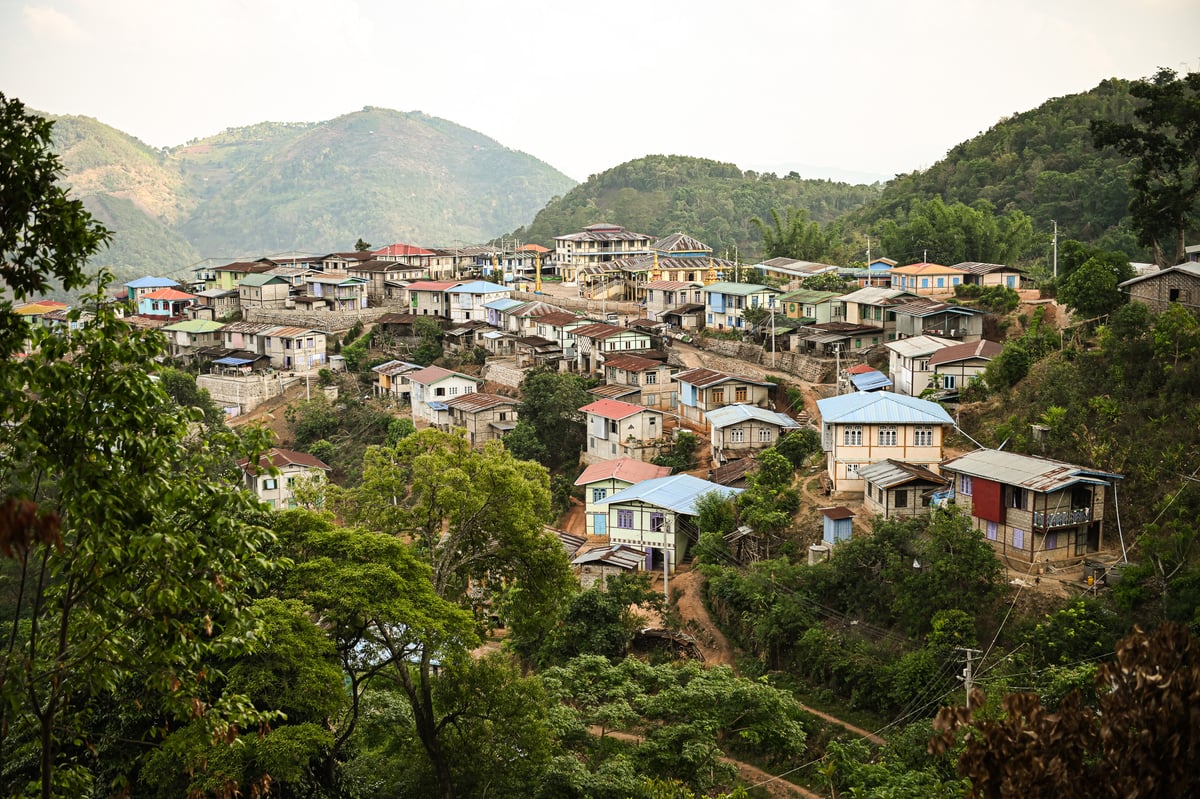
(150, 282)
(280, 458)
(703, 378)
(1027, 471)
(875, 407)
(435, 374)
(613, 409)
(678, 493)
(733, 414)
(961, 352)
(631, 363)
(478, 287)
(891, 473)
(838, 513)
(478, 401)
(870, 381)
(918, 346)
(627, 469)
(738, 289)
(196, 326)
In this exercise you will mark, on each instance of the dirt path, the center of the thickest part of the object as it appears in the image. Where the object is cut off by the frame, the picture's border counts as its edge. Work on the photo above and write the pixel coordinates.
(751, 775)
(695, 621)
(574, 521)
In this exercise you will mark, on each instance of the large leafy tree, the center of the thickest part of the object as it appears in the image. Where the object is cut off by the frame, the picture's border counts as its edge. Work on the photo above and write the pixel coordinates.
(551, 428)
(952, 233)
(793, 235)
(1163, 142)
(1091, 290)
(122, 561)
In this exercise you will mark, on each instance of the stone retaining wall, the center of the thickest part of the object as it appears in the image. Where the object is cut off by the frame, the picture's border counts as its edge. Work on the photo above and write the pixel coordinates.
(328, 321)
(505, 373)
(245, 393)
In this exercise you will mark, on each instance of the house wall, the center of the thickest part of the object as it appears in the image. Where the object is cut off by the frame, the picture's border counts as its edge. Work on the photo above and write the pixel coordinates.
(885, 502)
(750, 431)
(1158, 292)
(843, 460)
(641, 533)
(963, 372)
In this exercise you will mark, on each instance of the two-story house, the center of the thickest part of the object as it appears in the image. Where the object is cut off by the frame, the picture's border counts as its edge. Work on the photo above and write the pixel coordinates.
(1031, 509)
(301, 349)
(428, 297)
(385, 279)
(659, 515)
(868, 427)
(662, 296)
(186, 337)
(954, 368)
(465, 301)
(560, 327)
(389, 380)
(431, 387)
(223, 302)
(811, 306)
(618, 429)
(136, 289)
(263, 291)
(703, 390)
(605, 478)
(596, 342)
(738, 431)
(228, 276)
(652, 379)
(927, 279)
(485, 417)
(925, 316)
(725, 303)
(908, 362)
(166, 303)
(277, 473)
(899, 490)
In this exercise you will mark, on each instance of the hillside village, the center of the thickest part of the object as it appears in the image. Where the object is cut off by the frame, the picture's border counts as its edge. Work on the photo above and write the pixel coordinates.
(250, 330)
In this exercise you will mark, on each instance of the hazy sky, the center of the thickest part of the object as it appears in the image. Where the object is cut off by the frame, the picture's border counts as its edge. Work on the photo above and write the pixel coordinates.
(858, 85)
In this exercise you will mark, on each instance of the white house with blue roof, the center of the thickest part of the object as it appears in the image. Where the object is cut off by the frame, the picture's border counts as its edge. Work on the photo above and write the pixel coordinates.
(868, 427)
(738, 431)
(466, 301)
(659, 514)
(498, 312)
(136, 289)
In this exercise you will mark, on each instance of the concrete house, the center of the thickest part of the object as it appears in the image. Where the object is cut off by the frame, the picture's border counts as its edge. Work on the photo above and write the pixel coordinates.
(659, 516)
(928, 279)
(662, 296)
(298, 349)
(465, 301)
(136, 289)
(737, 431)
(1032, 509)
(921, 316)
(603, 479)
(595, 342)
(868, 427)
(704, 390)
(431, 387)
(908, 362)
(618, 429)
(184, 338)
(166, 303)
(812, 306)
(428, 298)
(263, 291)
(725, 303)
(275, 490)
(342, 292)
(651, 379)
(981, 274)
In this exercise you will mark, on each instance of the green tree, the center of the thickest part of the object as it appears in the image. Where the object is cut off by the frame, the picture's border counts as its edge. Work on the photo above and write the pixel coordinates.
(550, 427)
(1091, 290)
(799, 445)
(1162, 142)
(955, 232)
(182, 388)
(361, 246)
(793, 235)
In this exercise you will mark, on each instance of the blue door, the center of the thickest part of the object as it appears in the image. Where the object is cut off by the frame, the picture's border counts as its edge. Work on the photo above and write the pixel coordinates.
(600, 524)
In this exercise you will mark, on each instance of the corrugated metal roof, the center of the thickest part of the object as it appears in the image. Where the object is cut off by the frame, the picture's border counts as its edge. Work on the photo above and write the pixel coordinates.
(478, 287)
(503, 304)
(733, 414)
(870, 381)
(918, 346)
(960, 352)
(881, 407)
(620, 556)
(196, 326)
(613, 409)
(891, 473)
(627, 469)
(838, 513)
(1027, 471)
(738, 289)
(678, 493)
(703, 378)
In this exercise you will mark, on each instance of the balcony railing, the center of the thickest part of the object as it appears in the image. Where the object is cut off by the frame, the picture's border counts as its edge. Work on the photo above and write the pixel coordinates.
(1066, 518)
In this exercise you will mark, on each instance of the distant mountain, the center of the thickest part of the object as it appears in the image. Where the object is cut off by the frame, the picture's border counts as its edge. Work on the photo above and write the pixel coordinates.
(712, 201)
(381, 175)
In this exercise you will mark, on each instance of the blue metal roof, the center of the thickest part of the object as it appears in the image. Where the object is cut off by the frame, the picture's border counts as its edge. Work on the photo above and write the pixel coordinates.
(881, 407)
(869, 381)
(678, 492)
(732, 414)
(503, 304)
(233, 361)
(477, 287)
(151, 282)
(438, 406)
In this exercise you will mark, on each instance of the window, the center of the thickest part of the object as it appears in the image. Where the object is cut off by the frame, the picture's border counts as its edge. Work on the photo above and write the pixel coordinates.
(941, 282)
(924, 282)
(764, 435)
(949, 381)
(991, 531)
(739, 394)
(454, 391)
(599, 494)
(270, 484)
(651, 378)
(625, 519)
(737, 436)
(716, 396)
(1051, 541)
(887, 435)
(1018, 538)
(965, 486)
(923, 436)
(1016, 497)
(657, 522)
(852, 471)
(852, 435)
(439, 392)
(902, 498)
(612, 427)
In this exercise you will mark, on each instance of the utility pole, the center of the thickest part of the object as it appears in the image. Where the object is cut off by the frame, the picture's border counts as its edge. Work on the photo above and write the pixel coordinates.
(1053, 222)
(968, 673)
(868, 250)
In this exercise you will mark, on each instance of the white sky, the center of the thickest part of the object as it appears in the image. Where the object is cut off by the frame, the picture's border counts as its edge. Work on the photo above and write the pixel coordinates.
(864, 85)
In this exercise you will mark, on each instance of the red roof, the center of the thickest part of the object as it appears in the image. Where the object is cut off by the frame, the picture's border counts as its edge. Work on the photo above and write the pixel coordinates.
(169, 294)
(432, 285)
(611, 409)
(626, 469)
(961, 352)
(396, 250)
(860, 369)
(280, 458)
(533, 248)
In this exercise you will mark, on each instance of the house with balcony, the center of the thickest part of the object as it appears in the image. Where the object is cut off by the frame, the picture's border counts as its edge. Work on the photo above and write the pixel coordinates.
(561, 327)
(872, 307)
(263, 291)
(595, 342)
(275, 476)
(431, 387)
(739, 431)
(228, 276)
(658, 516)
(1032, 509)
(389, 380)
(898, 490)
(618, 429)
(704, 390)
(926, 279)
(955, 368)
(863, 428)
(136, 289)
(223, 302)
(662, 296)
(523, 319)
(485, 417)
(595, 245)
(650, 380)
(465, 301)
(908, 362)
(605, 478)
(342, 292)
(385, 279)
(919, 316)
(725, 303)
(244, 336)
(298, 349)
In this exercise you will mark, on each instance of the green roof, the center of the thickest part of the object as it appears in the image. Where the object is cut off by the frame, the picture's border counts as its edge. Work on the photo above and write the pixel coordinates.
(261, 280)
(742, 289)
(196, 326)
(808, 295)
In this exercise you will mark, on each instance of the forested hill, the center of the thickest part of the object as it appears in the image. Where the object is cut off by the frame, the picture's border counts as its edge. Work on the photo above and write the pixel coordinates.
(1040, 162)
(713, 201)
(381, 175)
